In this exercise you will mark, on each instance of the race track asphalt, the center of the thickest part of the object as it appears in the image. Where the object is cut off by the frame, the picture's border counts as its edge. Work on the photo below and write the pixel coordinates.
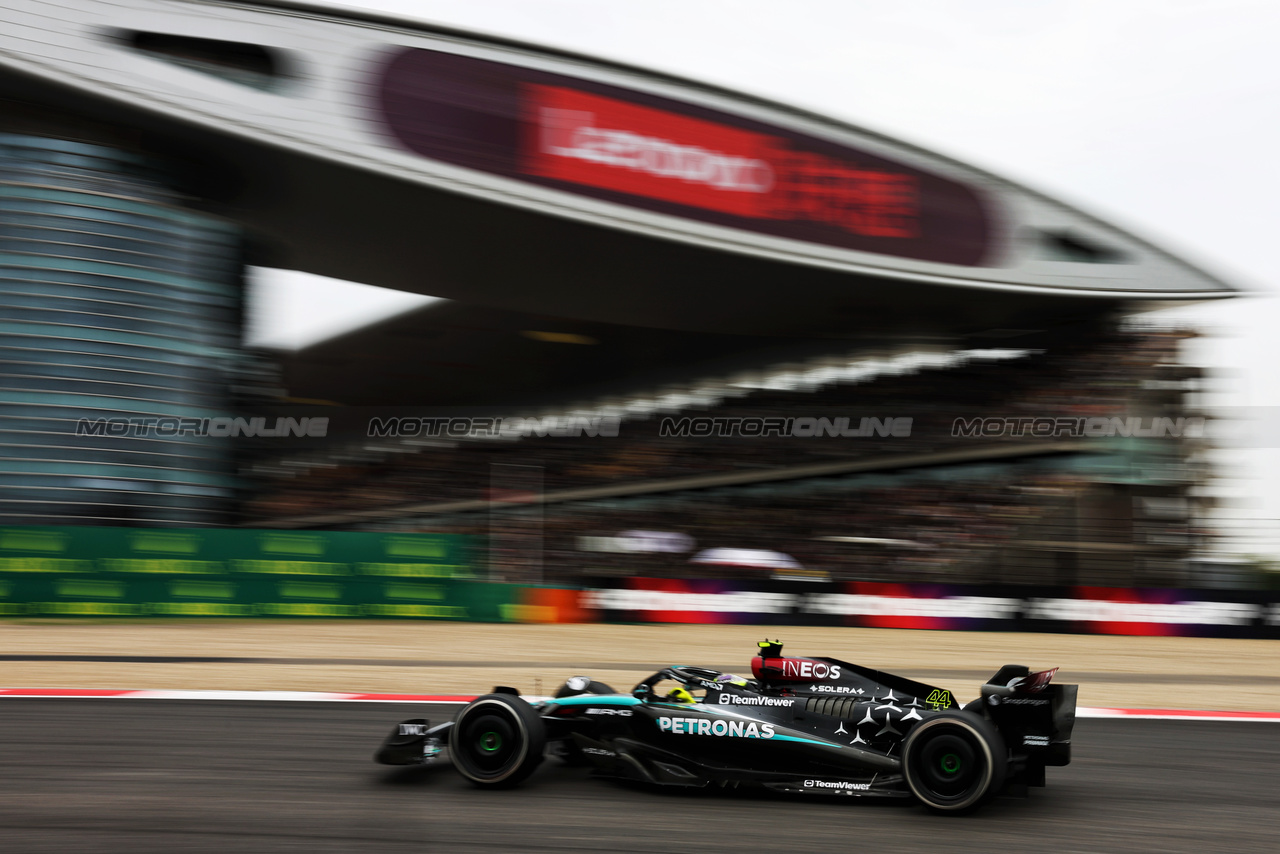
(183, 776)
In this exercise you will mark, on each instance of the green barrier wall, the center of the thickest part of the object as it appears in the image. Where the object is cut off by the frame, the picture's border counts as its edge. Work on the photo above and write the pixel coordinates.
(142, 572)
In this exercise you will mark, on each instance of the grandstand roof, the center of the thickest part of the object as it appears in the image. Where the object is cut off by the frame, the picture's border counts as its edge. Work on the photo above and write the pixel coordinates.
(402, 154)
(525, 183)
(454, 354)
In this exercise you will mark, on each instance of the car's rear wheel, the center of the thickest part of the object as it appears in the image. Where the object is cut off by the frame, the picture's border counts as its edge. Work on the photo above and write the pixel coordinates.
(954, 760)
(497, 740)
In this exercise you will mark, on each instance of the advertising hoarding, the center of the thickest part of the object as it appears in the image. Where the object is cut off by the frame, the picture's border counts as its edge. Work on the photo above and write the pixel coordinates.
(73, 571)
(674, 157)
(949, 607)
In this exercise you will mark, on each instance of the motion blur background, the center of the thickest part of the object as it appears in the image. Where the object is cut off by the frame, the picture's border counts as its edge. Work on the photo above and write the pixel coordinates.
(374, 326)
(174, 175)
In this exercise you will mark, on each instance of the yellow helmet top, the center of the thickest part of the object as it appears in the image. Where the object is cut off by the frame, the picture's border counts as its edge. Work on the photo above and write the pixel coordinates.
(679, 695)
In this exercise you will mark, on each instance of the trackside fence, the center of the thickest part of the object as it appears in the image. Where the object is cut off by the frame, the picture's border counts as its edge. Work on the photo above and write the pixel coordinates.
(157, 573)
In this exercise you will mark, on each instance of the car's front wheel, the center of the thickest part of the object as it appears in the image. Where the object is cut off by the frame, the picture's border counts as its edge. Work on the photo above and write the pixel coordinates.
(954, 760)
(497, 740)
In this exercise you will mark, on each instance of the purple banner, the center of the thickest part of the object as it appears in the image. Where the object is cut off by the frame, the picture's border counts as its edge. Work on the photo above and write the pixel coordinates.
(662, 155)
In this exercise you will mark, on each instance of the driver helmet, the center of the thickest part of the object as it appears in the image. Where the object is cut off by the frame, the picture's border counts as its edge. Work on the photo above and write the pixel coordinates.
(679, 694)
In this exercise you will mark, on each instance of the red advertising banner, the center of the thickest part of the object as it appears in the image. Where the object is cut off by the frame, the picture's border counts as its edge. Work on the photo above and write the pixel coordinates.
(611, 144)
(604, 142)
(674, 158)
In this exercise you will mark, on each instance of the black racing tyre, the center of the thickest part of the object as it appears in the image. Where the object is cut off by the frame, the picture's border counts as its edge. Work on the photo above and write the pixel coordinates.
(954, 760)
(497, 740)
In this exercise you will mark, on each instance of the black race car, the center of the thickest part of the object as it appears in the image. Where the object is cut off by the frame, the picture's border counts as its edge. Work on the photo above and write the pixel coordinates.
(814, 726)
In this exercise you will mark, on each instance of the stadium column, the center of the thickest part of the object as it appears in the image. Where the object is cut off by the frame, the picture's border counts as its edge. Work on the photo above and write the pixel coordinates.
(120, 335)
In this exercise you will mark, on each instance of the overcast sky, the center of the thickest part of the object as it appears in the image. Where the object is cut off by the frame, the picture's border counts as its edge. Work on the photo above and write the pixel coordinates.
(1162, 116)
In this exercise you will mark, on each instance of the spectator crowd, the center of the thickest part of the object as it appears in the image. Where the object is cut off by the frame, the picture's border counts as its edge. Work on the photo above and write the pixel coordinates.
(928, 526)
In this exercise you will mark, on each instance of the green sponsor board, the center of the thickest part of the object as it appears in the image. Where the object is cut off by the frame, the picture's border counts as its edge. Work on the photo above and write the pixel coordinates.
(200, 551)
(70, 571)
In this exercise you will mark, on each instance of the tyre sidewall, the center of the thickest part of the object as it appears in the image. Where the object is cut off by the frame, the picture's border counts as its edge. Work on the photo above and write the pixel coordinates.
(980, 735)
(524, 725)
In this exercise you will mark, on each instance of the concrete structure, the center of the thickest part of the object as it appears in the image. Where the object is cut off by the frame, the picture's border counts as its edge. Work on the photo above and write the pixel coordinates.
(119, 301)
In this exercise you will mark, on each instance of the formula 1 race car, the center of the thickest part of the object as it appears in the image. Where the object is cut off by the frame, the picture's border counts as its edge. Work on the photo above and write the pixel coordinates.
(814, 726)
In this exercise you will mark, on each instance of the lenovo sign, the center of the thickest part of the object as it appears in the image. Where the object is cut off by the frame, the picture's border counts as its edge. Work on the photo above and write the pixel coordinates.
(603, 142)
(675, 158)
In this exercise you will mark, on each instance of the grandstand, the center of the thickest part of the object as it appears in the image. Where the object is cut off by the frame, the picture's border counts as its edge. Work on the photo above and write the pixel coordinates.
(927, 505)
(648, 256)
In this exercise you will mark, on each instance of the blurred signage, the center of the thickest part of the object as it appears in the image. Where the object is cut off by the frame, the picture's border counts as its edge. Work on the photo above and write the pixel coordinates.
(102, 571)
(654, 542)
(675, 158)
(603, 142)
(1074, 610)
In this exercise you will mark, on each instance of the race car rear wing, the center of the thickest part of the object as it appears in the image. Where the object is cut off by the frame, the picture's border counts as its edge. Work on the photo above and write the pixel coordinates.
(1018, 678)
(1035, 717)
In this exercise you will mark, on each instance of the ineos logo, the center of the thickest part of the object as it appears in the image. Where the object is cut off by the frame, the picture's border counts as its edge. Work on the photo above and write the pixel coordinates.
(804, 669)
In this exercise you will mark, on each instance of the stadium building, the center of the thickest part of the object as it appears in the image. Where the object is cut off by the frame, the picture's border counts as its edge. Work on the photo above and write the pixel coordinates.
(609, 243)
